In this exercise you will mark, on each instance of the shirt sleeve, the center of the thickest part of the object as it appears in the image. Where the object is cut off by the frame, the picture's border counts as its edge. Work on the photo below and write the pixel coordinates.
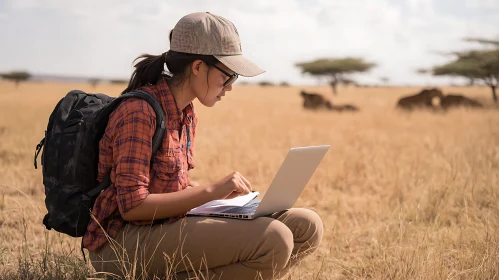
(132, 155)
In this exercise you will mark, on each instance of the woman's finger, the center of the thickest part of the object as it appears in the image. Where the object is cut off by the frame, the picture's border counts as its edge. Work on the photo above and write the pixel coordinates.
(247, 183)
(245, 189)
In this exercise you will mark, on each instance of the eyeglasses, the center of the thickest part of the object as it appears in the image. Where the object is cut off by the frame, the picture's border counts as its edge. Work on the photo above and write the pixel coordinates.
(232, 78)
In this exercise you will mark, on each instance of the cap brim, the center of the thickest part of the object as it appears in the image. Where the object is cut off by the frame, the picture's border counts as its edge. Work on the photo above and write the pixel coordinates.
(240, 65)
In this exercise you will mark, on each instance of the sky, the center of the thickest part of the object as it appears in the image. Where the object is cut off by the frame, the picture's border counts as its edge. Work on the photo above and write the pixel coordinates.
(101, 38)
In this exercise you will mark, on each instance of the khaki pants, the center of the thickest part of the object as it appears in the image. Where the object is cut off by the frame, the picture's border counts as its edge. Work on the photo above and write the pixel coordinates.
(212, 248)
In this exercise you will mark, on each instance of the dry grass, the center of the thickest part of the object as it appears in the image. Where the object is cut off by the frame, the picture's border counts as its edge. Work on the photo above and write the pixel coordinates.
(402, 195)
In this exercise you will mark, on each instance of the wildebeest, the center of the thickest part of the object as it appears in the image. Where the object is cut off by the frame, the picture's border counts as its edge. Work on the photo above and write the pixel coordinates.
(456, 100)
(315, 101)
(424, 99)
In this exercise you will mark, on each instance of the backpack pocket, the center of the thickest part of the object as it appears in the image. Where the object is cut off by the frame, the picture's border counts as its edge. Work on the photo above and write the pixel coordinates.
(71, 124)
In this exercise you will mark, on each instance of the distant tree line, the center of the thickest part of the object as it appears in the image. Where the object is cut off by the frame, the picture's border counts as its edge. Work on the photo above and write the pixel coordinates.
(266, 83)
(21, 76)
(479, 66)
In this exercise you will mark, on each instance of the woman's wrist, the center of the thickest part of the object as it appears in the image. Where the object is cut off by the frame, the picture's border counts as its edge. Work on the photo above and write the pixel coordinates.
(207, 191)
(194, 184)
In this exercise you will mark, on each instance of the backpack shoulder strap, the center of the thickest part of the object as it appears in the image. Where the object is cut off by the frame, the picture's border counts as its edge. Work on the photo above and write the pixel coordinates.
(157, 139)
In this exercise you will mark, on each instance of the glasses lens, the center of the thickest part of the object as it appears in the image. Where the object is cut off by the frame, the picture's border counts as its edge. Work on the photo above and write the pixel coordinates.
(231, 80)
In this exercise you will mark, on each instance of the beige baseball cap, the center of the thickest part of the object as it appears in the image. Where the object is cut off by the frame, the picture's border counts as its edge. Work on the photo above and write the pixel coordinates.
(208, 34)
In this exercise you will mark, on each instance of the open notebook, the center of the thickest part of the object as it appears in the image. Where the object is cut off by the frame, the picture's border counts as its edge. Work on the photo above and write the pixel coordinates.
(222, 203)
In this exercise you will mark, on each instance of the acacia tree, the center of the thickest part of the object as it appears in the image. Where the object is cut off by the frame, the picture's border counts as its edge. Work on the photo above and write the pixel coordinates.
(384, 80)
(476, 65)
(94, 82)
(16, 76)
(336, 69)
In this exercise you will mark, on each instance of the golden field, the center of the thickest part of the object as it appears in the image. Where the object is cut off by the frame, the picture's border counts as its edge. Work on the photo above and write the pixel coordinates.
(402, 195)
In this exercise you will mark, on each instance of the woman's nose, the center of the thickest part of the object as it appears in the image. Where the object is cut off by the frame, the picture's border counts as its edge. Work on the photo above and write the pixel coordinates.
(228, 88)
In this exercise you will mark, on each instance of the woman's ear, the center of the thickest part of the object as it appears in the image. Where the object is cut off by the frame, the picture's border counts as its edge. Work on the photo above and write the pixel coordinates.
(196, 67)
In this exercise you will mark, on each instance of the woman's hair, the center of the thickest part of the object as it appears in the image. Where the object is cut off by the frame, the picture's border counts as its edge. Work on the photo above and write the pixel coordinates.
(150, 69)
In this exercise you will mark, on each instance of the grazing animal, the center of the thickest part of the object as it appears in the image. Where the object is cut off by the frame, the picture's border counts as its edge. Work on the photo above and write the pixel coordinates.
(424, 99)
(456, 100)
(315, 101)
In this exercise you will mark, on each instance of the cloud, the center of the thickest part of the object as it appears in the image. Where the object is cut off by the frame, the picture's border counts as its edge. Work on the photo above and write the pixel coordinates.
(101, 38)
(481, 4)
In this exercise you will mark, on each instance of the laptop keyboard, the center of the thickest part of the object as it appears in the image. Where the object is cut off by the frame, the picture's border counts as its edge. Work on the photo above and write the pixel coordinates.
(246, 209)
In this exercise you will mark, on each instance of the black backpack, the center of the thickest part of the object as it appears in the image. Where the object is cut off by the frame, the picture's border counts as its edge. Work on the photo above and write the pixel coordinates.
(71, 153)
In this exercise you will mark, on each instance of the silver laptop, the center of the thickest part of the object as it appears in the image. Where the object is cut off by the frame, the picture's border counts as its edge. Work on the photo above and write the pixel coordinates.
(289, 182)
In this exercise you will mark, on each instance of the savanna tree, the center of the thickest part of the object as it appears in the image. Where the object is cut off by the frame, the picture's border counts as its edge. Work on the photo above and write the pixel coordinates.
(384, 80)
(93, 82)
(335, 69)
(475, 65)
(16, 76)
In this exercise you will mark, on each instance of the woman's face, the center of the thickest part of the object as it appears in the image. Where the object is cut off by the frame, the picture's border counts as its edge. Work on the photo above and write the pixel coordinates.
(208, 82)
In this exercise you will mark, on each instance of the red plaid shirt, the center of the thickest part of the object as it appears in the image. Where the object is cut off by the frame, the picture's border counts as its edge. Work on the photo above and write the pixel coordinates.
(126, 149)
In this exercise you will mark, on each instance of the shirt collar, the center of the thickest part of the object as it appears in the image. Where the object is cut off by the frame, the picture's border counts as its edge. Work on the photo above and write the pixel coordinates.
(161, 92)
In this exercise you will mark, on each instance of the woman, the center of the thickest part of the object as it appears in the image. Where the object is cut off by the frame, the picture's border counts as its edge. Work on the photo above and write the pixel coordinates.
(140, 227)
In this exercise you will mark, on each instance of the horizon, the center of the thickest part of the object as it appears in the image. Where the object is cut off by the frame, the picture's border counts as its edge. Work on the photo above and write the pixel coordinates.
(106, 80)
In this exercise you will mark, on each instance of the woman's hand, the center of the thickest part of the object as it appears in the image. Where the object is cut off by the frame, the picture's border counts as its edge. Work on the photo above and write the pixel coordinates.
(231, 186)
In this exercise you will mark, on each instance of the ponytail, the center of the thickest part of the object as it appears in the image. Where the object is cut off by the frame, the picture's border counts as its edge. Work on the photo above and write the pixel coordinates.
(149, 70)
